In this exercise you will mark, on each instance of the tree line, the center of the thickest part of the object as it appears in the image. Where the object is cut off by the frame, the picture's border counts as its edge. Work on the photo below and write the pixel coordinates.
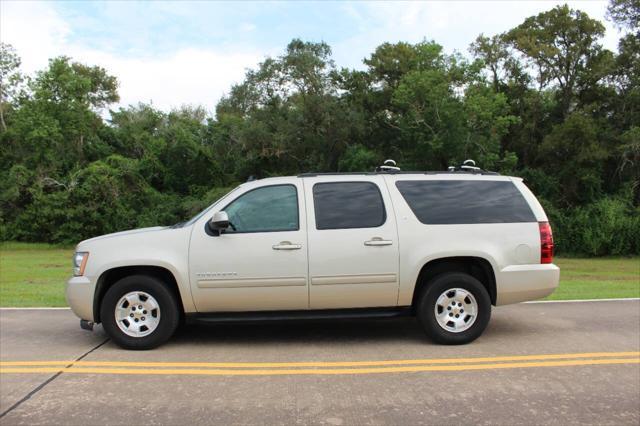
(544, 101)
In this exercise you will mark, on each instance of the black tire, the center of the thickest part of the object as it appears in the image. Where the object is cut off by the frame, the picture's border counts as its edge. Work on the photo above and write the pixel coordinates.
(427, 305)
(169, 318)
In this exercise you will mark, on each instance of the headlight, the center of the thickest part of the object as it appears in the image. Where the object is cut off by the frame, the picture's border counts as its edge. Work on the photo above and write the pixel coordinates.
(79, 262)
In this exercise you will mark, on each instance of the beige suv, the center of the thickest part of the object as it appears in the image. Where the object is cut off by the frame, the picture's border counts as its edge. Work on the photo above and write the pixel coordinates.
(444, 246)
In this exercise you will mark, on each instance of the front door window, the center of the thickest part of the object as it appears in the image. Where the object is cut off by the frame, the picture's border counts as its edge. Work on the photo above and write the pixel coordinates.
(266, 209)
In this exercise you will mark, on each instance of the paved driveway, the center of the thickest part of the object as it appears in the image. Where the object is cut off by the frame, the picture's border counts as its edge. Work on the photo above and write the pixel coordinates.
(553, 363)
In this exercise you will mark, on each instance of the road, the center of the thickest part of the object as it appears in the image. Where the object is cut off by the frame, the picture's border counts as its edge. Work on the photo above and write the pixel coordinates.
(543, 363)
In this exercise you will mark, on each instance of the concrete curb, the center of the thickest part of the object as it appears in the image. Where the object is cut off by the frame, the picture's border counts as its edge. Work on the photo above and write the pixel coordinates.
(585, 300)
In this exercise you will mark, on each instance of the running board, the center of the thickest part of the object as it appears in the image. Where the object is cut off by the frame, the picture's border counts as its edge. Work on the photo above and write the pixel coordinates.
(320, 314)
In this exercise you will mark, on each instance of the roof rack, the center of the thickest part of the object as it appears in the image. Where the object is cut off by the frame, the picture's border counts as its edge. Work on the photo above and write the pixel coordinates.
(469, 166)
(390, 167)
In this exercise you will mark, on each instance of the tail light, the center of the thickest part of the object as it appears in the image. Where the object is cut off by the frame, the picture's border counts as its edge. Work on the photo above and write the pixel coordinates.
(546, 243)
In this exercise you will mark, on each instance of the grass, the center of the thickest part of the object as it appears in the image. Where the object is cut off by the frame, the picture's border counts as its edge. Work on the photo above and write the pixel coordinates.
(34, 275)
(598, 278)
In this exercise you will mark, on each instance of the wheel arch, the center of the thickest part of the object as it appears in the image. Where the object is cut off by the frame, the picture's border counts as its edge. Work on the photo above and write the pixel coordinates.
(478, 267)
(109, 277)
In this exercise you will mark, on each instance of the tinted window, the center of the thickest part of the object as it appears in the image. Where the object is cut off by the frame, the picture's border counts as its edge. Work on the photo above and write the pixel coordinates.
(343, 205)
(266, 209)
(462, 201)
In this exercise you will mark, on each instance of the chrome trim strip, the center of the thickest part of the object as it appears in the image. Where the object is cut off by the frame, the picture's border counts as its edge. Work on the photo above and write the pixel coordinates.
(253, 282)
(355, 279)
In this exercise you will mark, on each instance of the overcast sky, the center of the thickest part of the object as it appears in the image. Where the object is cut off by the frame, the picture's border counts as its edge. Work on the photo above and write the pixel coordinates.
(175, 53)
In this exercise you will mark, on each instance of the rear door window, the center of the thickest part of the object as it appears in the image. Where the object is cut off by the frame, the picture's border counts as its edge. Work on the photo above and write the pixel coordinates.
(443, 202)
(346, 205)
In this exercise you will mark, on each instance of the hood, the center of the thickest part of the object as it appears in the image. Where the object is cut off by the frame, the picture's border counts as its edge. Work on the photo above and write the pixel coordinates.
(125, 233)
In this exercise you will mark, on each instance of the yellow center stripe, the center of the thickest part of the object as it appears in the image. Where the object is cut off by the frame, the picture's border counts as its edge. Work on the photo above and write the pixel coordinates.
(317, 368)
(335, 371)
(322, 363)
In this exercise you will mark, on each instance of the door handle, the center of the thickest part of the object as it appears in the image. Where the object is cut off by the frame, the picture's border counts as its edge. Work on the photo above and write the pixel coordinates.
(287, 245)
(377, 241)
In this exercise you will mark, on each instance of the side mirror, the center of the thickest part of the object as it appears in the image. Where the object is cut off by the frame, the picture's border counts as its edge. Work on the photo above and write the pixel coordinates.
(219, 221)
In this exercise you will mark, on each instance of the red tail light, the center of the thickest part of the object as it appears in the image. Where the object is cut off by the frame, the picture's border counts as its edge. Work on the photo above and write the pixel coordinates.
(546, 243)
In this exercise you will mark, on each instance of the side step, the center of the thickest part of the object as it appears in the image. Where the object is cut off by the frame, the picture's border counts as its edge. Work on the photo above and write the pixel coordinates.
(321, 314)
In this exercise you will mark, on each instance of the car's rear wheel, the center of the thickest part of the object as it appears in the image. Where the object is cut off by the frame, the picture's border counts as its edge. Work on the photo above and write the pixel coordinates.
(139, 312)
(454, 308)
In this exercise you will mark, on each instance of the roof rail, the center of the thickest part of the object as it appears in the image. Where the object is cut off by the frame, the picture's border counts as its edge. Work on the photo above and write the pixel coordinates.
(312, 174)
(390, 167)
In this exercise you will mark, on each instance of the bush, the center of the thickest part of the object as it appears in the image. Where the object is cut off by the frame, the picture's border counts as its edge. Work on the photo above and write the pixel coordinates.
(609, 226)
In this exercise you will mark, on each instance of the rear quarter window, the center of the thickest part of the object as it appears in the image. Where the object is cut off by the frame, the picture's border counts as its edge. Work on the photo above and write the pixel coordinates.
(444, 202)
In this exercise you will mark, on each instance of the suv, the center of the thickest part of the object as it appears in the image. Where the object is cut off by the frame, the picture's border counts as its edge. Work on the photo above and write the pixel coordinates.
(443, 246)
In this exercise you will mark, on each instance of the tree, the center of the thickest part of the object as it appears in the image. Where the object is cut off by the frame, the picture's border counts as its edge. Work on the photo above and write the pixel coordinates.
(572, 152)
(11, 79)
(562, 45)
(390, 62)
(67, 97)
(625, 13)
(630, 159)
(431, 110)
(67, 82)
(67, 173)
(626, 102)
(494, 53)
(626, 75)
(291, 115)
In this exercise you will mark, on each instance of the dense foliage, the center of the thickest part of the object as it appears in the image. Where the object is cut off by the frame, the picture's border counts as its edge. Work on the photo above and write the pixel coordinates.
(544, 101)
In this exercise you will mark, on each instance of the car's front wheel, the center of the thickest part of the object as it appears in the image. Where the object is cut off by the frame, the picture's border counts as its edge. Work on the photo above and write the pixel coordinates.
(139, 312)
(454, 309)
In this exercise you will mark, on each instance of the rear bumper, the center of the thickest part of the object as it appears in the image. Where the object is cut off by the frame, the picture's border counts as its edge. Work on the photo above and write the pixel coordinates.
(519, 283)
(79, 292)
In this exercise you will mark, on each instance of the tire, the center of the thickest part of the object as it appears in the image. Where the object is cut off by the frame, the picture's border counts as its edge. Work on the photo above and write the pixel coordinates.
(154, 326)
(436, 302)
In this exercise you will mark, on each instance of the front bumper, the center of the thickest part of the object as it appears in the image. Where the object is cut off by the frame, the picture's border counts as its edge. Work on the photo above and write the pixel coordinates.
(79, 292)
(520, 283)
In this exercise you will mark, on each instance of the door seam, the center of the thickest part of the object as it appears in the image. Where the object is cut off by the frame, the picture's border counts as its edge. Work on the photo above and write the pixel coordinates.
(395, 218)
(306, 224)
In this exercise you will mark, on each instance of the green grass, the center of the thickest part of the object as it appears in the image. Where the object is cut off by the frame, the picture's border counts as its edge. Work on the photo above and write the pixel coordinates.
(34, 275)
(598, 278)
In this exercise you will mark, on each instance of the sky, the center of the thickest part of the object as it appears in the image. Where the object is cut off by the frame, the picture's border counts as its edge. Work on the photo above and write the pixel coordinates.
(174, 53)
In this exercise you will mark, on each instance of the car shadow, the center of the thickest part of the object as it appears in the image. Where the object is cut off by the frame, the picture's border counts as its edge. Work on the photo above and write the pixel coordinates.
(353, 332)
(303, 331)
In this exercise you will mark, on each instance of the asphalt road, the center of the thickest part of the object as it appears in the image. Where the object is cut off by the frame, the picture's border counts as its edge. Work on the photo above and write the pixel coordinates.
(548, 363)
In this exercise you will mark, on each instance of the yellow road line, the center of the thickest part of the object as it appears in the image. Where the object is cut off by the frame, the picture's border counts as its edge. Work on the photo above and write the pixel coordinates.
(335, 371)
(320, 363)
